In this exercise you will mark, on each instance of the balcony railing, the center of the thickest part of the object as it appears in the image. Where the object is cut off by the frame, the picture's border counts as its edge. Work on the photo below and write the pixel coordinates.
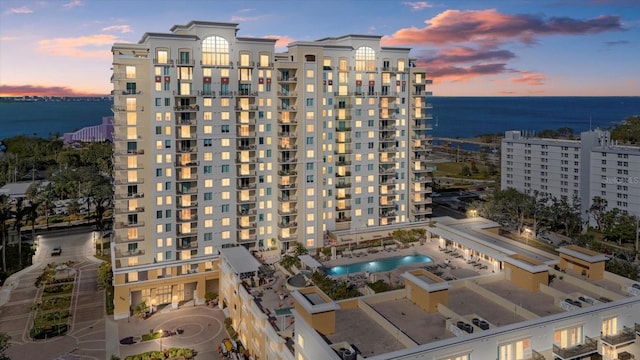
(125, 253)
(536, 355)
(128, 225)
(343, 219)
(627, 335)
(589, 346)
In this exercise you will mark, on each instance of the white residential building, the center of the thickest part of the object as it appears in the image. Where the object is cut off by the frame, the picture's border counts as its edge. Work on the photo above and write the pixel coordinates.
(582, 169)
(220, 141)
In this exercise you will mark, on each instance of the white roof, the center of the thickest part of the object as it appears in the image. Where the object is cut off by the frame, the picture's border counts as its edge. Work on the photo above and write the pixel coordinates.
(240, 259)
(309, 261)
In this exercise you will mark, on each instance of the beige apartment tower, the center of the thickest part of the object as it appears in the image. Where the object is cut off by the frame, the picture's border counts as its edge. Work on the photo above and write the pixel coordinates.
(222, 141)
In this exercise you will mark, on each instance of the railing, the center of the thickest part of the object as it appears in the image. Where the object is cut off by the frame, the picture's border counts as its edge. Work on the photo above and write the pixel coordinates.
(343, 219)
(627, 335)
(129, 196)
(186, 108)
(536, 355)
(589, 346)
(190, 62)
(131, 92)
(286, 212)
(124, 239)
(125, 253)
(192, 217)
(343, 185)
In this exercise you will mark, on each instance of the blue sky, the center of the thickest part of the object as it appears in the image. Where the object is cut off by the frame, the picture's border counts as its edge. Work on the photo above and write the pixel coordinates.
(469, 48)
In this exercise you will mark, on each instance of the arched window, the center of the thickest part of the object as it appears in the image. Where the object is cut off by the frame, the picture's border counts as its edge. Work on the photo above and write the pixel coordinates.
(365, 59)
(215, 51)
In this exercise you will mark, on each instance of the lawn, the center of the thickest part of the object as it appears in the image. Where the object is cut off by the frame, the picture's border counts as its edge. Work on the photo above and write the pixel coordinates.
(454, 169)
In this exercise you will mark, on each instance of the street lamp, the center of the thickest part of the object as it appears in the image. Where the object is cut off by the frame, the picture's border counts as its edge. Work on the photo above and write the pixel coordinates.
(161, 335)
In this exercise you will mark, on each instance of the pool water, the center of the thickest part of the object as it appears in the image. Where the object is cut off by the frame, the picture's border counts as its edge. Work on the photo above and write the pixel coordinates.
(379, 265)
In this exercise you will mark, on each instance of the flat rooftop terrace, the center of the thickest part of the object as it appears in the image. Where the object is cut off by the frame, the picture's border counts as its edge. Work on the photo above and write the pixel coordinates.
(468, 303)
(420, 326)
(538, 303)
(356, 327)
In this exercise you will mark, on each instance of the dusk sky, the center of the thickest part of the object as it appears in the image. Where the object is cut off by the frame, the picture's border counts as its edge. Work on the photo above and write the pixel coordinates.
(469, 48)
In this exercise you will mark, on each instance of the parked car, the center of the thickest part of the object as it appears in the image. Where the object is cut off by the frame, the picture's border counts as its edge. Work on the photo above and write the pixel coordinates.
(57, 251)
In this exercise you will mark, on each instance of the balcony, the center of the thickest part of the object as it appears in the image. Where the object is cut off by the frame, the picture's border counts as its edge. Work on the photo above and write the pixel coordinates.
(131, 92)
(291, 185)
(243, 211)
(589, 347)
(287, 160)
(189, 218)
(187, 149)
(288, 79)
(387, 214)
(187, 204)
(282, 121)
(125, 239)
(287, 94)
(246, 186)
(287, 173)
(248, 64)
(419, 210)
(123, 225)
(627, 336)
(343, 196)
(536, 356)
(291, 210)
(343, 219)
(343, 162)
(247, 238)
(185, 62)
(190, 93)
(246, 199)
(127, 253)
(186, 244)
(129, 181)
(343, 174)
(186, 108)
(128, 196)
(246, 224)
(127, 210)
(343, 185)
(287, 224)
(287, 238)
(246, 93)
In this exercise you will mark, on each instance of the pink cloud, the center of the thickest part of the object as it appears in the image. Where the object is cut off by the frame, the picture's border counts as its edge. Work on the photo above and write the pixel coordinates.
(92, 46)
(531, 79)
(490, 26)
(282, 41)
(40, 90)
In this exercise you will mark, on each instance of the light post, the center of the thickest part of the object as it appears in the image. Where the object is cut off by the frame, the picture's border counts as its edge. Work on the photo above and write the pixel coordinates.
(161, 335)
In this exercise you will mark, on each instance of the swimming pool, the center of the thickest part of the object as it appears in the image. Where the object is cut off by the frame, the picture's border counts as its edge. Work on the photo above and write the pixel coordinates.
(377, 265)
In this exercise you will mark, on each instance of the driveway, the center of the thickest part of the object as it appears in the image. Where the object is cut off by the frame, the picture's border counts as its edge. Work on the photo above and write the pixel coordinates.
(93, 334)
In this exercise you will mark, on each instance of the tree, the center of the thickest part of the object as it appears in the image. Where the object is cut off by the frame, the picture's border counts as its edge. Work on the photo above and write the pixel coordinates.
(628, 131)
(5, 215)
(619, 226)
(4, 345)
(597, 210)
(19, 212)
(32, 209)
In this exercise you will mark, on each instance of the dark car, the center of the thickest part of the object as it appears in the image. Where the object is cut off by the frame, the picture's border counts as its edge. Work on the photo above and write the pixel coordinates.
(56, 251)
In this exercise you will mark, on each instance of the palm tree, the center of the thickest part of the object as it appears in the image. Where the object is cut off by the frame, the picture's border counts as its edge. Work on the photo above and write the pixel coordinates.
(32, 210)
(5, 215)
(19, 212)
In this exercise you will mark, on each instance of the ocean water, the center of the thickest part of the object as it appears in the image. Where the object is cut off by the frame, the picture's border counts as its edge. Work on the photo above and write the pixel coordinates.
(462, 117)
(42, 118)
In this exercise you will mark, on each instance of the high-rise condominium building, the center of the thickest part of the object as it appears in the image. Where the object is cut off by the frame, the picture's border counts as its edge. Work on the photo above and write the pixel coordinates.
(593, 166)
(220, 140)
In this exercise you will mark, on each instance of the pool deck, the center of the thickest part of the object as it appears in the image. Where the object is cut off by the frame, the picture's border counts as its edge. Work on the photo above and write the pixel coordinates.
(458, 269)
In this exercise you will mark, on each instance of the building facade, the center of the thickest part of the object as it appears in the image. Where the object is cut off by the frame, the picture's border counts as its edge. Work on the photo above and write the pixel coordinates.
(574, 169)
(219, 140)
(533, 305)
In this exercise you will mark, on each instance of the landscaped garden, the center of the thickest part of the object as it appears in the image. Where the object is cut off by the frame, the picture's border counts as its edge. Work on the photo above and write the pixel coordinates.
(52, 309)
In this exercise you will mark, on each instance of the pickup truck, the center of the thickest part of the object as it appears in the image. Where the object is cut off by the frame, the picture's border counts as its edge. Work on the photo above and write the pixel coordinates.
(56, 251)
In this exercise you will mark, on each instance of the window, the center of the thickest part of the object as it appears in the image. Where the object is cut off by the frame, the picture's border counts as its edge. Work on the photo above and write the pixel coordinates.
(365, 57)
(517, 350)
(215, 51)
(568, 337)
